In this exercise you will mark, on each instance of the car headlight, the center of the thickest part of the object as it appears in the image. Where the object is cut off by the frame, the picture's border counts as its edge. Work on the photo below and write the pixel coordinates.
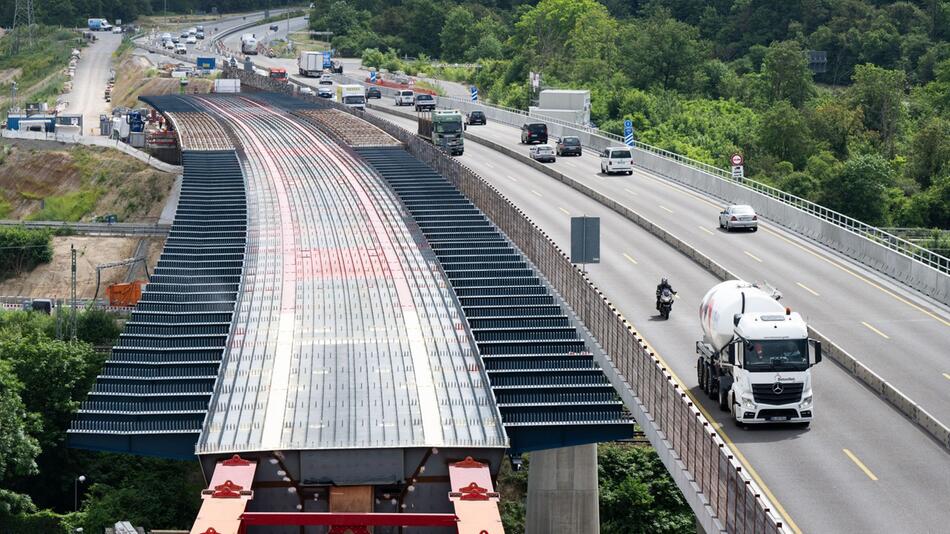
(806, 403)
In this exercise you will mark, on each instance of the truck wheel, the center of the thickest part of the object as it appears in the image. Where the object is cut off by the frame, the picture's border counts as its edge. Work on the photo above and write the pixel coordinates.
(700, 365)
(723, 399)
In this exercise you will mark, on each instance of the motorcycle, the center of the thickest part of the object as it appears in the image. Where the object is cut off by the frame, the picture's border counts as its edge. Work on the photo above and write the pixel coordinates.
(666, 303)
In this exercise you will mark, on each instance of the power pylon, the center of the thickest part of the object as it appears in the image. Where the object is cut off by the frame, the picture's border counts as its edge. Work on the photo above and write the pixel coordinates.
(23, 12)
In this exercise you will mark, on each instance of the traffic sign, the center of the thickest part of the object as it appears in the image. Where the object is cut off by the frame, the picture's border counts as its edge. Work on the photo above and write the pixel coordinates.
(628, 132)
(736, 160)
(474, 93)
(372, 76)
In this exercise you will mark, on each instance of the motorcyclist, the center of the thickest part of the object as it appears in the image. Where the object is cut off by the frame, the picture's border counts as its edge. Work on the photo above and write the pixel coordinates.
(664, 284)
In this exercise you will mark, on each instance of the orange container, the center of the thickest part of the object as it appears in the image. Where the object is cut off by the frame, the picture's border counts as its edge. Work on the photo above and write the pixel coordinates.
(124, 294)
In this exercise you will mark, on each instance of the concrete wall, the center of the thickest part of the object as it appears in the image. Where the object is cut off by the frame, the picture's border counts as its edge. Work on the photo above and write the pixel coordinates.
(562, 491)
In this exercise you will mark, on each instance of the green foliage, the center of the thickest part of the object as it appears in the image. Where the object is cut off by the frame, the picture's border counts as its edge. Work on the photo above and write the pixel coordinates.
(42, 522)
(861, 188)
(22, 249)
(785, 70)
(98, 327)
(663, 52)
(783, 133)
(18, 447)
(49, 54)
(880, 93)
(68, 207)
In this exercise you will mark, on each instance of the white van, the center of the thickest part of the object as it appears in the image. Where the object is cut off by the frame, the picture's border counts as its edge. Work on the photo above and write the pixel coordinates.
(616, 159)
(405, 97)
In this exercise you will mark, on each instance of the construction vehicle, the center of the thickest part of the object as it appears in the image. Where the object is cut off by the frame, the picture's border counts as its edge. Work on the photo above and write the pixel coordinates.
(755, 356)
(444, 129)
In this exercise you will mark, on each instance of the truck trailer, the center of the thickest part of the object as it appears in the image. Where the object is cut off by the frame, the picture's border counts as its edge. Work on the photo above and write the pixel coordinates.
(755, 356)
(310, 64)
(444, 129)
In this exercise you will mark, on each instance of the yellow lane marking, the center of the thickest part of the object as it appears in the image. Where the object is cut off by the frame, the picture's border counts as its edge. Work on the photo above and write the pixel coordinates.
(564, 210)
(512, 178)
(633, 261)
(753, 256)
(536, 193)
(629, 191)
(860, 464)
(947, 376)
(876, 331)
(707, 230)
(725, 437)
(808, 289)
(817, 255)
(861, 278)
(667, 209)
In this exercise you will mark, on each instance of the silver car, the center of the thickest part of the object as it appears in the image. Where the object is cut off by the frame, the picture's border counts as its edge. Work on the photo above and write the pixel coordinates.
(738, 216)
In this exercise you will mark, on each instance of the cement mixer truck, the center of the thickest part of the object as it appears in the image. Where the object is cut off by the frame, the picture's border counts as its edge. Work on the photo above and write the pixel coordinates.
(755, 356)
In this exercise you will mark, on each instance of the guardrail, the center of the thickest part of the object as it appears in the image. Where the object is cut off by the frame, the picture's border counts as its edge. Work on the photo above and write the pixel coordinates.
(91, 228)
(106, 142)
(711, 478)
(907, 262)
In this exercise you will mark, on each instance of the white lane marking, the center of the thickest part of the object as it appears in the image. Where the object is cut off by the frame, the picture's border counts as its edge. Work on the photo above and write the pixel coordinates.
(629, 191)
(536, 193)
(707, 230)
(665, 208)
(630, 258)
(808, 289)
(753, 256)
(564, 210)
(512, 178)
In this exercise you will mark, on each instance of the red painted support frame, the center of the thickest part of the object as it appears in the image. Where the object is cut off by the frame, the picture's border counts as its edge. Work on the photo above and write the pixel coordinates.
(346, 519)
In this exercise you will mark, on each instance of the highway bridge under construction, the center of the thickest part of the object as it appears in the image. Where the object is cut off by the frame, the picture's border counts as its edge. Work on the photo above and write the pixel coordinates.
(343, 338)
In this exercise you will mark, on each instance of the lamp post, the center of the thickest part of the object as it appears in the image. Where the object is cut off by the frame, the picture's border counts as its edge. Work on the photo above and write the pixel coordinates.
(79, 480)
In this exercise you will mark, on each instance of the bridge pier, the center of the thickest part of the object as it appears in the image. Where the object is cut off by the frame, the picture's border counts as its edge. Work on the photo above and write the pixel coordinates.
(562, 491)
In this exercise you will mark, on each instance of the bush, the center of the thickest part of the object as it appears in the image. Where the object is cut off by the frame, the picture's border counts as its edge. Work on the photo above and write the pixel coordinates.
(22, 249)
(98, 327)
(42, 522)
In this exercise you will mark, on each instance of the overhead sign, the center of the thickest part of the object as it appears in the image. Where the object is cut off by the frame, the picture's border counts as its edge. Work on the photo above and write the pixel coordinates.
(628, 132)
(585, 239)
(736, 159)
(474, 93)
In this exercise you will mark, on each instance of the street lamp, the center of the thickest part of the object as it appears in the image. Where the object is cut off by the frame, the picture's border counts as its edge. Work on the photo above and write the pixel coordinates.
(81, 479)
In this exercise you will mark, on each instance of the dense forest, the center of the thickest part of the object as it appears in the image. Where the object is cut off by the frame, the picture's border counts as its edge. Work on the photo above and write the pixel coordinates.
(867, 134)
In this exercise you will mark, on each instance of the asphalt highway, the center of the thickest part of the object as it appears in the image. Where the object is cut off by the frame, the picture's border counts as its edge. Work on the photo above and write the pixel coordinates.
(861, 466)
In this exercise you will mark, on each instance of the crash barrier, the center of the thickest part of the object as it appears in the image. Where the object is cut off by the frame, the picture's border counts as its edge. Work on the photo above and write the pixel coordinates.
(852, 365)
(713, 481)
(915, 266)
(88, 140)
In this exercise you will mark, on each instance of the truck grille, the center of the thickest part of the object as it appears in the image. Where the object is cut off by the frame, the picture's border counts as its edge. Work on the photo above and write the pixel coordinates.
(765, 393)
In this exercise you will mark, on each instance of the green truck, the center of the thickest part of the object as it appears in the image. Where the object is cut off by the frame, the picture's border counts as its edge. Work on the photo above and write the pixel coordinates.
(443, 128)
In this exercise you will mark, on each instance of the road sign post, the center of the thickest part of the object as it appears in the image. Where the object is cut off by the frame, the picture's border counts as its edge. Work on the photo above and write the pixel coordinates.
(372, 76)
(628, 132)
(474, 91)
(738, 169)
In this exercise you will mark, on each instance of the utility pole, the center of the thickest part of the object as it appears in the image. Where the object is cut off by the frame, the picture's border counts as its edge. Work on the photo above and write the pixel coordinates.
(72, 316)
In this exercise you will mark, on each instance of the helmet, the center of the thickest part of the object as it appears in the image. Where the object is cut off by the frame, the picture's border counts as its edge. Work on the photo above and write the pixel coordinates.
(664, 281)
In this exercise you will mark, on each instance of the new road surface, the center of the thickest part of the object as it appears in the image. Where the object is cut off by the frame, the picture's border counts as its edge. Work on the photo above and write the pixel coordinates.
(861, 466)
(89, 84)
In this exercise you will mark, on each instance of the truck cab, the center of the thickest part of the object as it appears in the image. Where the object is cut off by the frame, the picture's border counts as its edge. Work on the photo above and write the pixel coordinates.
(755, 356)
(444, 129)
(278, 74)
(351, 96)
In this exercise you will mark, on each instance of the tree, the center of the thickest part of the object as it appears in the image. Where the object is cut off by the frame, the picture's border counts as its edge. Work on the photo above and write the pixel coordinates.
(784, 133)
(880, 94)
(488, 47)
(340, 17)
(930, 151)
(785, 69)
(18, 447)
(833, 122)
(861, 188)
(663, 52)
(456, 38)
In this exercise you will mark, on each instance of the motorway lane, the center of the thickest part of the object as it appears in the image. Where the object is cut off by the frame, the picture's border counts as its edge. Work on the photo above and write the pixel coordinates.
(89, 83)
(807, 470)
(264, 35)
(885, 326)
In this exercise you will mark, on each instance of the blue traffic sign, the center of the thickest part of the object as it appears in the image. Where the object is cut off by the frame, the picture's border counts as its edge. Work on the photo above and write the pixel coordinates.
(372, 76)
(474, 93)
(628, 132)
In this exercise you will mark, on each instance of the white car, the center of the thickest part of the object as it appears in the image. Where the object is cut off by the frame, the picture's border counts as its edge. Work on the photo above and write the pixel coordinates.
(191, 39)
(325, 91)
(542, 153)
(616, 159)
(180, 49)
(169, 44)
(738, 216)
(306, 91)
(405, 97)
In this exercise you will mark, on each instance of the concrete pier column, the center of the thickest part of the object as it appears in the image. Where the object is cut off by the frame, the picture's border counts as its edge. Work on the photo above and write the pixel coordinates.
(562, 491)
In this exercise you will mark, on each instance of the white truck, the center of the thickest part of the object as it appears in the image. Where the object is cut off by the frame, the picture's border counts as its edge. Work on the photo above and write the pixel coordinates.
(310, 64)
(248, 44)
(351, 96)
(755, 356)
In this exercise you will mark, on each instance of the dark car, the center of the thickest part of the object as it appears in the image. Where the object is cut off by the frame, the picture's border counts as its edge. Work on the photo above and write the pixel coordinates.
(274, 27)
(569, 146)
(476, 117)
(534, 132)
(373, 92)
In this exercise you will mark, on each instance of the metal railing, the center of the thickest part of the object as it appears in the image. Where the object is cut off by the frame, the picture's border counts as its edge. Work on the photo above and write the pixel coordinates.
(92, 228)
